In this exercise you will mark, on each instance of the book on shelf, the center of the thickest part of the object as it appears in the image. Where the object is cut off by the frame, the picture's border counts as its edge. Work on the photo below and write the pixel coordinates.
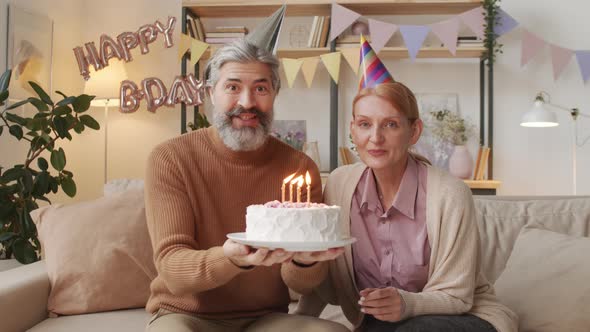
(219, 40)
(215, 34)
(481, 163)
(351, 39)
(318, 34)
(191, 28)
(232, 28)
(194, 26)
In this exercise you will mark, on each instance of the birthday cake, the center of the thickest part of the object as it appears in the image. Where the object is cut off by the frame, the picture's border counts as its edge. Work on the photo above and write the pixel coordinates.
(293, 222)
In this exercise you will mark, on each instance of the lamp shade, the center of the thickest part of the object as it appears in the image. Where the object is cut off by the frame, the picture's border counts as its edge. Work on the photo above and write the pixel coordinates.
(105, 83)
(539, 116)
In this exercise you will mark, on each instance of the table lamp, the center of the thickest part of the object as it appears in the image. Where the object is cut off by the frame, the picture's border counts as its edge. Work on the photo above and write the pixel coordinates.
(539, 116)
(104, 84)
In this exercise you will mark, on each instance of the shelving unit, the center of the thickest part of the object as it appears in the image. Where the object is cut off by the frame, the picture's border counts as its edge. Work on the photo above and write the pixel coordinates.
(263, 8)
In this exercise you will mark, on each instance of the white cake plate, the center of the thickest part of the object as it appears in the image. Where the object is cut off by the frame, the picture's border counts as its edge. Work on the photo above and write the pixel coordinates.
(290, 246)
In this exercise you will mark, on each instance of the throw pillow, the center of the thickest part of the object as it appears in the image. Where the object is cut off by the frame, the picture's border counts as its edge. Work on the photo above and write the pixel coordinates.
(98, 254)
(120, 185)
(546, 281)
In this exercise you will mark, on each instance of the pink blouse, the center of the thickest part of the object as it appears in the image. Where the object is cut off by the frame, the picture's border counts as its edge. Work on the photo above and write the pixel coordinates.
(392, 247)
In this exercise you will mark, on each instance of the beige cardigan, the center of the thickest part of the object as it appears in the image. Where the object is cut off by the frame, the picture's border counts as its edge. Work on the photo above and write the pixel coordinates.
(455, 284)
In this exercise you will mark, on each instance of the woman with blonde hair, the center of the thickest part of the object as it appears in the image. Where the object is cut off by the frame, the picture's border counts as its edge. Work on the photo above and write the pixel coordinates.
(416, 263)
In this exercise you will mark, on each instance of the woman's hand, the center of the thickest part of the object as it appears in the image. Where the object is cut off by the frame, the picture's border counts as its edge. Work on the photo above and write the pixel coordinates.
(383, 303)
(245, 257)
(311, 257)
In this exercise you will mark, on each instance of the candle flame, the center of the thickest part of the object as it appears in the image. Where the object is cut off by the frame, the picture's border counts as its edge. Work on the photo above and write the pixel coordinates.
(288, 178)
(307, 178)
(300, 181)
(295, 180)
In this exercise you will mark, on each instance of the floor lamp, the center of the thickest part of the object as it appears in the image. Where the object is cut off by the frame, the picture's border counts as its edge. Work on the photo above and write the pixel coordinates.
(540, 117)
(105, 84)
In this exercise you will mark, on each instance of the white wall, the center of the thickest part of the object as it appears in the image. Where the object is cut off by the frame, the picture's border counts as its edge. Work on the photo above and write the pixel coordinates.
(131, 136)
(527, 161)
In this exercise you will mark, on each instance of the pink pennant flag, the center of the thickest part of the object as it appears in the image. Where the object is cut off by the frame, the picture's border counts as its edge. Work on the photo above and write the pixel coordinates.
(475, 20)
(447, 31)
(342, 18)
(381, 33)
(560, 57)
(531, 45)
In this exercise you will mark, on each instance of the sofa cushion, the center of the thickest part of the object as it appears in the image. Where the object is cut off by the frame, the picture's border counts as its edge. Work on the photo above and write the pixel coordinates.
(500, 220)
(135, 320)
(98, 254)
(112, 321)
(546, 281)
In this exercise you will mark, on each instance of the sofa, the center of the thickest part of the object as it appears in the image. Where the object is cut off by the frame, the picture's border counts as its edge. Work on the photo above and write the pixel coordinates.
(534, 250)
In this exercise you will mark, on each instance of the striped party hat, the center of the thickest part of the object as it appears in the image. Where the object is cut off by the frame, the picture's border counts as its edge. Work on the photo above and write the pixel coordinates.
(373, 70)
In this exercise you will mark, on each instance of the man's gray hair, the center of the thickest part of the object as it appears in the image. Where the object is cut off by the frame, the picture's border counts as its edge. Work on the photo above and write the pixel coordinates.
(241, 51)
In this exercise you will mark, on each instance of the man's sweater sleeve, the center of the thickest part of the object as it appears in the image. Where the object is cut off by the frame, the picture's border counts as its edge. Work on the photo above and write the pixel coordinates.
(183, 267)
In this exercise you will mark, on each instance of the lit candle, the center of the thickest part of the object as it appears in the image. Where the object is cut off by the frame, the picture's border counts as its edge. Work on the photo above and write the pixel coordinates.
(299, 185)
(285, 181)
(308, 182)
(291, 189)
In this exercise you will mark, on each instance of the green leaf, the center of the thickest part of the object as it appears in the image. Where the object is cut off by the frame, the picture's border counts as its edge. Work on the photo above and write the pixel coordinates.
(66, 101)
(39, 105)
(61, 126)
(42, 163)
(61, 93)
(1, 130)
(12, 174)
(82, 103)
(41, 184)
(3, 96)
(78, 127)
(89, 121)
(28, 180)
(7, 236)
(7, 209)
(43, 198)
(5, 80)
(62, 110)
(16, 119)
(42, 94)
(58, 159)
(16, 131)
(69, 186)
(19, 104)
(24, 252)
(41, 115)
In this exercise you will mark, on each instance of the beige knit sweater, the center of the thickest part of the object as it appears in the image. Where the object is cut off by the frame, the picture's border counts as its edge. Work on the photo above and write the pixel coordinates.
(455, 284)
(197, 191)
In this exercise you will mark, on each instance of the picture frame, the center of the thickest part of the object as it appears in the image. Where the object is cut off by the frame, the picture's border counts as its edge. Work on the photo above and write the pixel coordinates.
(292, 132)
(29, 51)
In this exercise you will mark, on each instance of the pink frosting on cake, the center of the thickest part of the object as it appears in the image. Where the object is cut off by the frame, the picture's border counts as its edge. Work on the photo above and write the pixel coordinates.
(290, 205)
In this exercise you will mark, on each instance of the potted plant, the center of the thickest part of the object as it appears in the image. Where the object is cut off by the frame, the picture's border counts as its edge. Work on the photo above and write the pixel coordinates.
(23, 185)
(450, 127)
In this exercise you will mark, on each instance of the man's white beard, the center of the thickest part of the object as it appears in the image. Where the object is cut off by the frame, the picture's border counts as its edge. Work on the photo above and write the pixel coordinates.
(245, 138)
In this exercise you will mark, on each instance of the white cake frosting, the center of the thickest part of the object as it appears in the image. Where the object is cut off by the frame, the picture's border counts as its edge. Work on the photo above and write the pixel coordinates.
(293, 222)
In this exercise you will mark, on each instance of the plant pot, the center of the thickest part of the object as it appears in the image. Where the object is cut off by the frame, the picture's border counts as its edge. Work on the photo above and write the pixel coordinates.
(460, 162)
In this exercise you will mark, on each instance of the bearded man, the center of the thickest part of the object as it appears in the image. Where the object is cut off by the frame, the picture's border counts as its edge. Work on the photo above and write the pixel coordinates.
(198, 186)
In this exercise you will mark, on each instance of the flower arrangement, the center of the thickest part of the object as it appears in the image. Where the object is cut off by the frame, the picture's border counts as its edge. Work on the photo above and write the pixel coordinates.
(451, 127)
(294, 139)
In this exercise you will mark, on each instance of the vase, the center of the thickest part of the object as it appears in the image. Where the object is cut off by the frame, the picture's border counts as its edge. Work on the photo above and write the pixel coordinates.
(460, 162)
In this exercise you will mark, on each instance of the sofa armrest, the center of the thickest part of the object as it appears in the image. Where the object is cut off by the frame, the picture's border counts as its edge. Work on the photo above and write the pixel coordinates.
(23, 296)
